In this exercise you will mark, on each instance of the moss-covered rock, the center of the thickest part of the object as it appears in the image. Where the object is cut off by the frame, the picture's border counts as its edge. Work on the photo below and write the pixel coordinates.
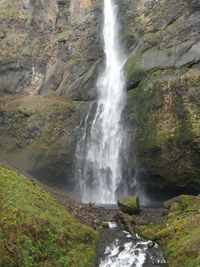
(165, 110)
(129, 204)
(36, 231)
(39, 135)
(179, 234)
(162, 73)
(105, 224)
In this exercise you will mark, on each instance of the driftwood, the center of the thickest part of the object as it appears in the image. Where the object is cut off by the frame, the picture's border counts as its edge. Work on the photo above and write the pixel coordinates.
(126, 221)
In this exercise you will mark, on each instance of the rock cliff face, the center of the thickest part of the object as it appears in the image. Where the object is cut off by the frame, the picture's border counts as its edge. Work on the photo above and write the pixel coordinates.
(50, 46)
(39, 136)
(163, 74)
(47, 48)
(51, 52)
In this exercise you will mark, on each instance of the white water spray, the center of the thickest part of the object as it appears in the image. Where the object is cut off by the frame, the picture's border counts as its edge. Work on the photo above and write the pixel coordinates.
(100, 171)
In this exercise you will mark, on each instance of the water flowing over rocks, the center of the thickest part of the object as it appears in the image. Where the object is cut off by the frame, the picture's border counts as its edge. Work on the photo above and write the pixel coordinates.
(132, 253)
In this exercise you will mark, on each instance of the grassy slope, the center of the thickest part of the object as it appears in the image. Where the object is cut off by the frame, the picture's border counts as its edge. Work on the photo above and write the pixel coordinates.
(180, 233)
(36, 231)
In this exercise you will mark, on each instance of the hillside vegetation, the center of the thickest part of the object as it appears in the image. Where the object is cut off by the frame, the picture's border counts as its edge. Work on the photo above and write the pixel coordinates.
(36, 231)
(179, 234)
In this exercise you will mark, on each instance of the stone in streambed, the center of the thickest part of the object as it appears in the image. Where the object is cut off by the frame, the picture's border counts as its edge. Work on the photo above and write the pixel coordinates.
(129, 204)
(151, 244)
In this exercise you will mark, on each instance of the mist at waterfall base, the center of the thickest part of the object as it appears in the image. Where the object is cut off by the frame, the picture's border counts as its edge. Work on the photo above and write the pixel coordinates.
(101, 149)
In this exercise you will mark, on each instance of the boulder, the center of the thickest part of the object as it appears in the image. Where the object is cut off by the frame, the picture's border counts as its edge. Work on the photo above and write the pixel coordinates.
(129, 204)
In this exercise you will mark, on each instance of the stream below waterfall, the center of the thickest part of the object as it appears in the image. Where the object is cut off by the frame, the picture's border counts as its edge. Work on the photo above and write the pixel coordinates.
(117, 248)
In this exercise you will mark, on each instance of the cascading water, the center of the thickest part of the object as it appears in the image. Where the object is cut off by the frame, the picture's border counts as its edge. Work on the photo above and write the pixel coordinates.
(124, 251)
(99, 154)
(99, 167)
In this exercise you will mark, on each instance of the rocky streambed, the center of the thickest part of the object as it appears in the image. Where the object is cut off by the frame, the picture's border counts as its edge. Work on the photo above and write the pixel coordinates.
(118, 248)
(119, 245)
(174, 226)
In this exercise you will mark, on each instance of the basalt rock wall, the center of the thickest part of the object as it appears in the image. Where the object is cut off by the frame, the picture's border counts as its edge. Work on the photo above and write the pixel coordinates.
(50, 47)
(50, 55)
(163, 76)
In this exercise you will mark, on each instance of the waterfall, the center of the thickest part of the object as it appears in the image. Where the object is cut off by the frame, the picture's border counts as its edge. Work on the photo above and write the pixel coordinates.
(99, 167)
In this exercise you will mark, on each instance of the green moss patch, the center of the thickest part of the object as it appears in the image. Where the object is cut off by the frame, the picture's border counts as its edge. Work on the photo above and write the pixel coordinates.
(132, 67)
(180, 233)
(36, 231)
(165, 110)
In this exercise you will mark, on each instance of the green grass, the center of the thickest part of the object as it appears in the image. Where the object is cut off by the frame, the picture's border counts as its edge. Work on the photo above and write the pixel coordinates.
(36, 231)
